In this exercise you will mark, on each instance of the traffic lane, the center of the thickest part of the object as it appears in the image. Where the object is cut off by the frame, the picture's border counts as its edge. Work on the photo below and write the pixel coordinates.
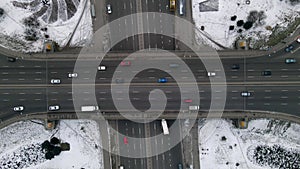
(275, 98)
(172, 156)
(131, 147)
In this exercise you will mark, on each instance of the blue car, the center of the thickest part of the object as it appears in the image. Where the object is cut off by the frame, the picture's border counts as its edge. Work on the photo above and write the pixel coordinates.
(289, 48)
(162, 80)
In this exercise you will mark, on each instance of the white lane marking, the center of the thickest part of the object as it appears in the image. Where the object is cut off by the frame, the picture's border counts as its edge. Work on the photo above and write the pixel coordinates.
(283, 104)
(119, 91)
(284, 90)
(284, 97)
(284, 69)
(37, 66)
(184, 71)
(54, 92)
(250, 70)
(151, 71)
(102, 92)
(37, 79)
(22, 99)
(250, 104)
(250, 77)
(234, 77)
(218, 91)
(118, 71)
(37, 99)
(136, 77)
(21, 72)
(86, 78)
(233, 98)
(5, 66)
(69, 99)
(102, 98)
(151, 77)
(53, 72)
(21, 79)
(135, 71)
(284, 76)
(5, 93)
(53, 99)
(38, 72)
(4, 79)
(120, 98)
(184, 77)
(267, 104)
(135, 91)
(5, 100)
(22, 93)
(200, 77)
(202, 97)
(234, 91)
(4, 73)
(267, 97)
(70, 92)
(201, 91)
(136, 98)
(37, 93)
(268, 90)
(102, 78)
(86, 99)
(21, 66)
(86, 92)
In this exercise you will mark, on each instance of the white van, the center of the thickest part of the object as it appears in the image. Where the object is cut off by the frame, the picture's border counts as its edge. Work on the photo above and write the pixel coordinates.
(89, 108)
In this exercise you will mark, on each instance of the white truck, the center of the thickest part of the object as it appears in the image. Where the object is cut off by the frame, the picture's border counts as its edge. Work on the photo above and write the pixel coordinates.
(89, 108)
(194, 107)
(165, 127)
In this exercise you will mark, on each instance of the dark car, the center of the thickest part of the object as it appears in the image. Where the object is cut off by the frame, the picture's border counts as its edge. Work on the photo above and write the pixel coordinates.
(11, 59)
(266, 73)
(289, 48)
(235, 66)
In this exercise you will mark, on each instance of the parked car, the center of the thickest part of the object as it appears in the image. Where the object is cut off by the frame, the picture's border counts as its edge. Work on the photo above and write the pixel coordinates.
(55, 81)
(245, 94)
(210, 74)
(266, 73)
(102, 68)
(18, 108)
(53, 108)
(290, 60)
(11, 59)
(289, 48)
(72, 75)
(235, 66)
(108, 8)
(162, 80)
(125, 63)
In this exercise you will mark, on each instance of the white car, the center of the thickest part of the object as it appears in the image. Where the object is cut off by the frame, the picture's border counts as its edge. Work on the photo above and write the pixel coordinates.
(72, 75)
(298, 40)
(55, 81)
(108, 8)
(102, 68)
(245, 94)
(53, 108)
(210, 74)
(18, 108)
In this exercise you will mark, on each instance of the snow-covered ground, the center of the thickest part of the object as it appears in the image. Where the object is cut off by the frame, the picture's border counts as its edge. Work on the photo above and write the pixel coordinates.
(239, 144)
(216, 23)
(60, 23)
(23, 139)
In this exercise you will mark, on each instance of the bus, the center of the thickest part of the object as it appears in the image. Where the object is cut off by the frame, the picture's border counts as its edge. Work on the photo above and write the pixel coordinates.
(165, 127)
(93, 13)
(172, 5)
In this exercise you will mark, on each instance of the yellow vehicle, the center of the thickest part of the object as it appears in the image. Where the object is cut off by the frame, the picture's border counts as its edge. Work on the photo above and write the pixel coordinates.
(172, 5)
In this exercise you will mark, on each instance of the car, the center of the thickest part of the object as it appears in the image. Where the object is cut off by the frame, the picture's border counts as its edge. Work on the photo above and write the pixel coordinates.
(289, 48)
(11, 59)
(162, 80)
(290, 60)
(188, 101)
(235, 66)
(210, 74)
(102, 68)
(72, 75)
(245, 94)
(55, 81)
(266, 73)
(125, 63)
(108, 8)
(18, 108)
(54, 108)
(125, 140)
(180, 166)
(119, 80)
(173, 65)
(298, 39)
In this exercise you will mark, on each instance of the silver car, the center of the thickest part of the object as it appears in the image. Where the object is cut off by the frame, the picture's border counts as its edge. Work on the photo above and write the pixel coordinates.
(55, 81)
(245, 94)
(18, 108)
(54, 107)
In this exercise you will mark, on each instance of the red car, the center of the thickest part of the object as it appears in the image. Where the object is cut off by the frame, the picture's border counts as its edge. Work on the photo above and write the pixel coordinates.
(125, 63)
(125, 140)
(188, 100)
